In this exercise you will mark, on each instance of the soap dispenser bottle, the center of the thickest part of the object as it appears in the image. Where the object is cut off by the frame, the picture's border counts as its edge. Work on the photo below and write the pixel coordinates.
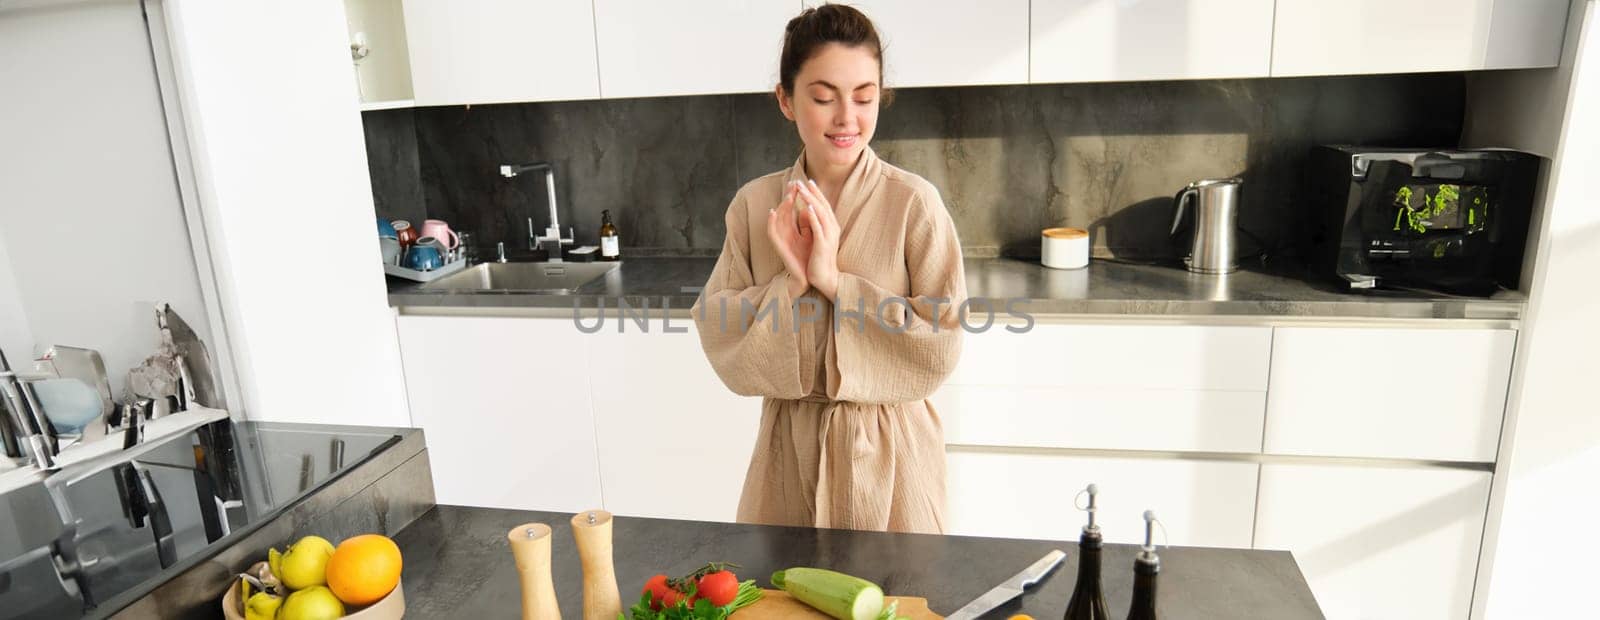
(610, 242)
(1145, 568)
(1088, 602)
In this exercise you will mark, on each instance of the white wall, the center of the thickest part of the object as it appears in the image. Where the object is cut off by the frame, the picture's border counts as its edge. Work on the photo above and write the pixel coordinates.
(1540, 542)
(15, 337)
(270, 106)
(89, 208)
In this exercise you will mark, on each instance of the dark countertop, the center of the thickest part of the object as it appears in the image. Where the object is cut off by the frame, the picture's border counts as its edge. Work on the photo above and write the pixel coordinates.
(458, 565)
(1105, 288)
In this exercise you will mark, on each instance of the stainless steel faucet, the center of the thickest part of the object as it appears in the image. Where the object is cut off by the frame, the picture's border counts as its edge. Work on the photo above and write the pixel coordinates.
(550, 240)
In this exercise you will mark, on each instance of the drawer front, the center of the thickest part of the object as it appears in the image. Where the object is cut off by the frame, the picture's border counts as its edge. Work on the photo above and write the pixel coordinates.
(1201, 503)
(1436, 394)
(1102, 418)
(1179, 357)
(1378, 542)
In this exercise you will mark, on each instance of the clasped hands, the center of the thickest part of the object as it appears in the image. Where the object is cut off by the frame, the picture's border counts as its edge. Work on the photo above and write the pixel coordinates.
(805, 233)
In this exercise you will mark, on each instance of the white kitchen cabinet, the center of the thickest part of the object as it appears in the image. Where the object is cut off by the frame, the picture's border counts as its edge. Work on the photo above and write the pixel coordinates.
(674, 441)
(1317, 37)
(1027, 495)
(1102, 418)
(1378, 543)
(505, 403)
(649, 48)
(951, 43)
(383, 76)
(1172, 357)
(501, 51)
(1436, 394)
(1122, 40)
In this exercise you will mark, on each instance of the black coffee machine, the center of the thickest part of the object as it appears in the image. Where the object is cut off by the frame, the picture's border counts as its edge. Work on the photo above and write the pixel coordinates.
(1454, 221)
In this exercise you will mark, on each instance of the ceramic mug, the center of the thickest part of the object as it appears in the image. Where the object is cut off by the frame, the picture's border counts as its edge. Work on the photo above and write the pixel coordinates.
(390, 247)
(441, 231)
(405, 233)
(385, 229)
(423, 258)
(435, 243)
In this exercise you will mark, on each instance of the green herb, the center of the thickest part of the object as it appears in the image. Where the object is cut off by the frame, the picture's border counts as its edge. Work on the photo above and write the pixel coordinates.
(702, 609)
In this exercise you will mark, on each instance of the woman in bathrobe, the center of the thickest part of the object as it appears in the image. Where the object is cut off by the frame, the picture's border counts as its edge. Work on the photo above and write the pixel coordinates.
(836, 299)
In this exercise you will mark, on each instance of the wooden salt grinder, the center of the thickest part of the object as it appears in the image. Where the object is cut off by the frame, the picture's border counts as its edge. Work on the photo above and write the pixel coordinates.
(592, 529)
(530, 546)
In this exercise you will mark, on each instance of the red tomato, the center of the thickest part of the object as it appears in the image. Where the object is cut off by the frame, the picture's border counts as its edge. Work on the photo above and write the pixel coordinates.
(657, 587)
(719, 587)
(671, 597)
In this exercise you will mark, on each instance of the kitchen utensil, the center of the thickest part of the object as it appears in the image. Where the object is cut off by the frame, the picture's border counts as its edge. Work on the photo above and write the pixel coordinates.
(385, 229)
(389, 247)
(530, 547)
(85, 365)
(441, 231)
(592, 530)
(1064, 248)
(198, 380)
(423, 258)
(30, 426)
(70, 403)
(778, 605)
(1010, 588)
(1216, 225)
(405, 233)
(437, 244)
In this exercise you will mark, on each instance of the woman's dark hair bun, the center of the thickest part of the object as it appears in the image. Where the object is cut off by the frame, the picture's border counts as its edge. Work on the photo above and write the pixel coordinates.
(814, 28)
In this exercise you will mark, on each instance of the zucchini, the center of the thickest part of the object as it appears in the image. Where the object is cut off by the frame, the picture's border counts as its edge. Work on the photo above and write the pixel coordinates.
(836, 594)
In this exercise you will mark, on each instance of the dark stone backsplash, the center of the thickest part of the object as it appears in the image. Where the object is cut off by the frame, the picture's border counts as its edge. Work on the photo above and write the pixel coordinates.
(1009, 160)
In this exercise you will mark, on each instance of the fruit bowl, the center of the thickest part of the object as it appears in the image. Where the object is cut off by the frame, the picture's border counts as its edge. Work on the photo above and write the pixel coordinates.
(391, 607)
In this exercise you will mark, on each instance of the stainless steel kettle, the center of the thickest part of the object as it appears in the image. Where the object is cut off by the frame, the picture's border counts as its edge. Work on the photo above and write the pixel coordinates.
(1216, 217)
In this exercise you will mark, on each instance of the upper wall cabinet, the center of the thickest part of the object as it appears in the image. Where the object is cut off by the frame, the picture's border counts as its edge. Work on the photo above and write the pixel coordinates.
(378, 46)
(1121, 40)
(954, 44)
(650, 48)
(500, 51)
(1317, 37)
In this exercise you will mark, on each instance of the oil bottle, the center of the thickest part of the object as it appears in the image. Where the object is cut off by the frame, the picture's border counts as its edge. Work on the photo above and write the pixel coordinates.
(1088, 602)
(1145, 568)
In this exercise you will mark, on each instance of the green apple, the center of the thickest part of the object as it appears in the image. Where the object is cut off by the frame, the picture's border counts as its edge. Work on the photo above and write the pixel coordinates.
(314, 603)
(305, 564)
(262, 606)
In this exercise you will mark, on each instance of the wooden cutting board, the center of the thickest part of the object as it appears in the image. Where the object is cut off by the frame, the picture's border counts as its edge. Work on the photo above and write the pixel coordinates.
(778, 605)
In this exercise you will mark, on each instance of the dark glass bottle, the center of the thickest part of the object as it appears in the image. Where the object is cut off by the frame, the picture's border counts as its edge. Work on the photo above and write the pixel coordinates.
(610, 242)
(1145, 568)
(1088, 602)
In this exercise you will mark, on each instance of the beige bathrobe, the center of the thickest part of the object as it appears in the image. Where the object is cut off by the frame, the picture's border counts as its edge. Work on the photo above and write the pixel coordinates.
(847, 438)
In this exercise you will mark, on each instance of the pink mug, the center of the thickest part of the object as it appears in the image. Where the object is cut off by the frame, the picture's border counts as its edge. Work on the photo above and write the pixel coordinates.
(441, 231)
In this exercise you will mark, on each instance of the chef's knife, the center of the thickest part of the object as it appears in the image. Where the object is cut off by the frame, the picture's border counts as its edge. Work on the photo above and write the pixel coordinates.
(1010, 588)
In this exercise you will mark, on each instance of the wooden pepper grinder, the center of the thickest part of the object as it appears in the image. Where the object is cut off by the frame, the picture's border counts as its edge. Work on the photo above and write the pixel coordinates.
(530, 546)
(592, 529)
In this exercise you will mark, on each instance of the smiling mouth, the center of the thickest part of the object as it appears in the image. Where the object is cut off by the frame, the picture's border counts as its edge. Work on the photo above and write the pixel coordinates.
(843, 140)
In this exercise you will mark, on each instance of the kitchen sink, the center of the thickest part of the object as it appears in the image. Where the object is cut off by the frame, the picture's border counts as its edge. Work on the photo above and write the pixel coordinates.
(546, 278)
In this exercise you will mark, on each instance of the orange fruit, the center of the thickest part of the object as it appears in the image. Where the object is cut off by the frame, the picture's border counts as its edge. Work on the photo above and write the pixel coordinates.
(364, 569)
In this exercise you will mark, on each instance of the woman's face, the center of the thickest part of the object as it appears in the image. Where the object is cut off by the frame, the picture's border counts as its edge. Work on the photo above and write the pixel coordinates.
(835, 103)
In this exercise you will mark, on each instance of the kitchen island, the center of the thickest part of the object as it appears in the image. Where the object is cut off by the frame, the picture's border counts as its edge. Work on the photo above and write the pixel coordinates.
(458, 565)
